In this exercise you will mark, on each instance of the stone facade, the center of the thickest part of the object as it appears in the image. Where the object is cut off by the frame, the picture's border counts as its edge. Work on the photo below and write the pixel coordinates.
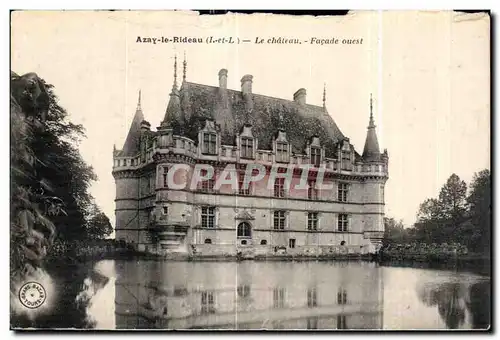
(264, 220)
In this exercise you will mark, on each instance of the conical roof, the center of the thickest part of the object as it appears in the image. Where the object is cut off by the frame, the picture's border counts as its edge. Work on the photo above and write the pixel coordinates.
(132, 143)
(371, 151)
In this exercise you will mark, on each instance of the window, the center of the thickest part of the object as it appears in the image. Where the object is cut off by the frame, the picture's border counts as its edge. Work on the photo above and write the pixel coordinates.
(208, 217)
(241, 181)
(244, 230)
(343, 191)
(207, 185)
(208, 241)
(346, 160)
(148, 185)
(209, 143)
(263, 242)
(279, 297)
(282, 152)
(342, 296)
(165, 172)
(243, 291)
(246, 147)
(291, 243)
(341, 322)
(312, 322)
(312, 221)
(165, 210)
(152, 183)
(279, 187)
(316, 156)
(312, 192)
(312, 297)
(151, 215)
(343, 222)
(279, 219)
(244, 242)
(207, 302)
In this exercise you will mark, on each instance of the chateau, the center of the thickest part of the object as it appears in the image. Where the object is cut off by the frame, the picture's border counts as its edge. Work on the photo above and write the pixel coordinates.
(340, 210)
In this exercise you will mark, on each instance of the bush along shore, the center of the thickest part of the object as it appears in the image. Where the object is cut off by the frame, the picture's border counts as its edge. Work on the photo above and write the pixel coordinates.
(430, 252)
(81, 251)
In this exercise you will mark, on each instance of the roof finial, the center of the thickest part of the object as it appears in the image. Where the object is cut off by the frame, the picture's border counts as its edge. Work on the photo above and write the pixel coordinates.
(175, 71)
(372, 122)
(324, 95)
(184, 65)
(139, 101)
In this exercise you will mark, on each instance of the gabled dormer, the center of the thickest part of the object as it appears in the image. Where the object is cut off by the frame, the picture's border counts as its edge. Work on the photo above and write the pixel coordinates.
(246, 142)
(315, 151)
(346, 156)
(209, 138)
(281, 147)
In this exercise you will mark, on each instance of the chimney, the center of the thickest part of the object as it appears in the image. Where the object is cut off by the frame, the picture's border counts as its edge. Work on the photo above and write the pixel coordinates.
(246, 84)
(246, 90)
(223, 78)
(300, 96)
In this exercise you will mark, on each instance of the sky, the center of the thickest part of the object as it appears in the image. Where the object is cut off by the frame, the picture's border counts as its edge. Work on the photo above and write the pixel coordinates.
(428, 71)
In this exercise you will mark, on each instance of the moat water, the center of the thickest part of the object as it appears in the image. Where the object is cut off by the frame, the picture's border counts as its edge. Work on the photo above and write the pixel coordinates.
(147, 294)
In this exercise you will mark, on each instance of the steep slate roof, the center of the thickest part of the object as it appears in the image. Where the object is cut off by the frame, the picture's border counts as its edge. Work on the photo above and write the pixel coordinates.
(371, 151)
(132, 144)
(228, 108)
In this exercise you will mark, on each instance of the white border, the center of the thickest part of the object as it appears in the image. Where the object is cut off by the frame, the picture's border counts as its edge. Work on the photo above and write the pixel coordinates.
(186, 4)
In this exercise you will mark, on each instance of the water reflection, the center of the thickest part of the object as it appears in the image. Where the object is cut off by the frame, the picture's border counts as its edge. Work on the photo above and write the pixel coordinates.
(479, 304)
(459, 304)
(248, 295)
(142, 294)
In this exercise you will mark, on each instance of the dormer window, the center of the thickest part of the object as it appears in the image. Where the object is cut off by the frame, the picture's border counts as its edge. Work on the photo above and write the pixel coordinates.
(346, 157)
(282, 152)
(246, 147)
(282, 147)
(209, 143)
(315, 156)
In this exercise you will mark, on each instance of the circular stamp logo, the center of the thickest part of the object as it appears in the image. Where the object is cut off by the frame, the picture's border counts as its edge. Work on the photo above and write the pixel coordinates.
(32, 295)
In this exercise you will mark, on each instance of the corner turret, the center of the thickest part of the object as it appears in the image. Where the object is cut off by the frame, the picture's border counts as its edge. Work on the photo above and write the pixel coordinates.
(371, 151)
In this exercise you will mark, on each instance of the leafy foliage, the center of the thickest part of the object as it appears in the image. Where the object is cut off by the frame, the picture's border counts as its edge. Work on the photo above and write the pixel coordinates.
(479, 201)
(50, 181)
(98, 225)
(453, 217)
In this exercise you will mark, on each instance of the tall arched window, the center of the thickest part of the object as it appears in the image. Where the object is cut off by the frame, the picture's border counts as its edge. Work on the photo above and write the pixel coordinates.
(244, 230)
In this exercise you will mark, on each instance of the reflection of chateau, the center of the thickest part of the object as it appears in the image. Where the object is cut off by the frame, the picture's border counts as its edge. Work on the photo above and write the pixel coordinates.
(249, 295)
(218, 126)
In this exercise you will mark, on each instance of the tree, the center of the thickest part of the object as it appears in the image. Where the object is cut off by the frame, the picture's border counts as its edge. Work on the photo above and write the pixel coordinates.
(439, 219)
(429, 210)
(395, 231)
(33, 203)
(479, 201)
(98, 225)
(56, 146)
(452, 199)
